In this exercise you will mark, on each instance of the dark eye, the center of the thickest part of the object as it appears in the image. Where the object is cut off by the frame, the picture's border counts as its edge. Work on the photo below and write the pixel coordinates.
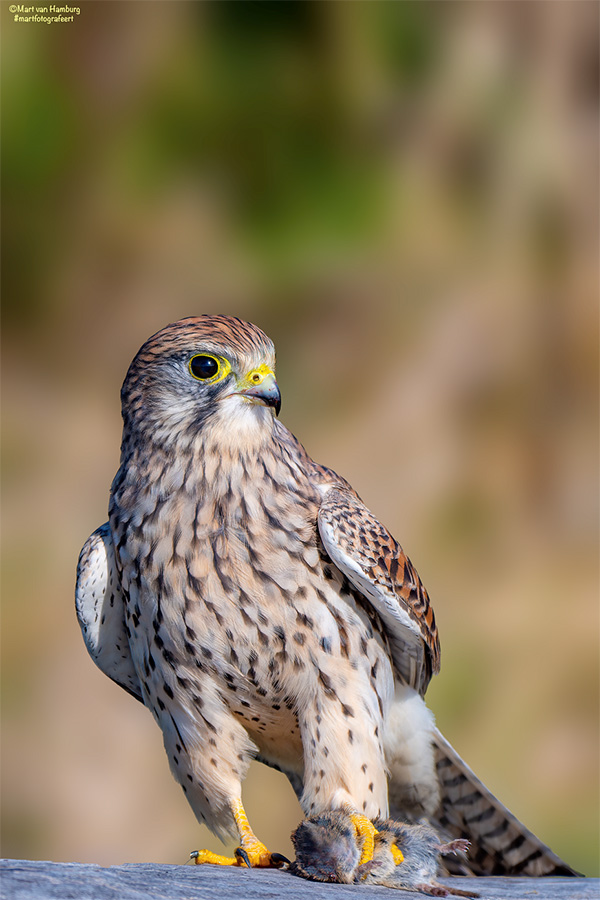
(204, 367)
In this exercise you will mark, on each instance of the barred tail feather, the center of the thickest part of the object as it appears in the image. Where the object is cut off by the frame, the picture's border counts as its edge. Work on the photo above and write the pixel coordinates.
(500, 844)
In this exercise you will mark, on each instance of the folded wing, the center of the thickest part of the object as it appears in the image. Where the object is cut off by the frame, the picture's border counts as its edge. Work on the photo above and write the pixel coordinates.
(100, 609)
(377, 567)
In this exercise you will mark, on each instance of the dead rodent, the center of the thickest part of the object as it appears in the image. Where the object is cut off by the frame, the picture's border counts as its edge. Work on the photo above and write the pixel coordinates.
(421, 847)
(328, 849)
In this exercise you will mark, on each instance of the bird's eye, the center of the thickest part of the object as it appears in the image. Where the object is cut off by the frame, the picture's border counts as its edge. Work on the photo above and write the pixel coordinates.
(204, 367)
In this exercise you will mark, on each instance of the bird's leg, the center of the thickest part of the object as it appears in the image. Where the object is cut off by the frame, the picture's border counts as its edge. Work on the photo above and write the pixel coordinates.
(365, 831)
(251, 851)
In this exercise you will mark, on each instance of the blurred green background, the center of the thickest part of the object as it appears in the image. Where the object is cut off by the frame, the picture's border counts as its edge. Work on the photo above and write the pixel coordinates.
(404, 196)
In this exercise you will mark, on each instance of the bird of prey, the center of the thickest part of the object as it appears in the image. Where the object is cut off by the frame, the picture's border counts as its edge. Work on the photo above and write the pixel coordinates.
(248, 597)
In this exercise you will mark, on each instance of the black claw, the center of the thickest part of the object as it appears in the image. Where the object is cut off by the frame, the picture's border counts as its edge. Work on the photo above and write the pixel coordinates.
(241, 854)
(278, 860)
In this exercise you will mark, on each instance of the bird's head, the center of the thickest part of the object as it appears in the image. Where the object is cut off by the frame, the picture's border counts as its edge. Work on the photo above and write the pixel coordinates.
(201, 375)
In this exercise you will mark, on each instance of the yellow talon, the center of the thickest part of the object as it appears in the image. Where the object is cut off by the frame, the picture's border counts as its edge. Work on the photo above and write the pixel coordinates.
(251, 851)
(397, 854)
(207, 856)
(255, 852)
(367, 831)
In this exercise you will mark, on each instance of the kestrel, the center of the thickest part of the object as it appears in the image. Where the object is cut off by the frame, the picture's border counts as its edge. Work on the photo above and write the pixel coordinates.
(247, 596)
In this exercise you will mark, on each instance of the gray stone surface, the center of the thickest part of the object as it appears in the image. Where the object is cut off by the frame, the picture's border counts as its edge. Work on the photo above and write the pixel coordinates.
(38, 880)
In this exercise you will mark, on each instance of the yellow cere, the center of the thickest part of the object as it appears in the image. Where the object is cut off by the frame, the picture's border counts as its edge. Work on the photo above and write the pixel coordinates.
(258, 375)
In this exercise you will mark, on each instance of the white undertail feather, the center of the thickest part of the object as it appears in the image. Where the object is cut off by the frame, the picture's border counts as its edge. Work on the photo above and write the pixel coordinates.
(428, 779)
(409, 755)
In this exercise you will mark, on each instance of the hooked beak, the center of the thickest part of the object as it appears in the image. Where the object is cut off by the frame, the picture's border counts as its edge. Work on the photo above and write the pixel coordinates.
(259, 386)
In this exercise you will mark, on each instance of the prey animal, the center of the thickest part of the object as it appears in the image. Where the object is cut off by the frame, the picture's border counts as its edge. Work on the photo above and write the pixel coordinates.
(328, 848)
(247, 596)
(421, 848)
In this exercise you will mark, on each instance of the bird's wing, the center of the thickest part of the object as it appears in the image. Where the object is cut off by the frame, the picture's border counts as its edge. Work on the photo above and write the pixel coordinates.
(100, 609)
(377, 567)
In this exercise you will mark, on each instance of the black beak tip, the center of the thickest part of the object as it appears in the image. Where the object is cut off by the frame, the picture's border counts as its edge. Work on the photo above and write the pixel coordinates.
(273, 399)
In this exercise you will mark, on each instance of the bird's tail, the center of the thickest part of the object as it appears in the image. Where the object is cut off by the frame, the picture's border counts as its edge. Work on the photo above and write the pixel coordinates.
(500, 844)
